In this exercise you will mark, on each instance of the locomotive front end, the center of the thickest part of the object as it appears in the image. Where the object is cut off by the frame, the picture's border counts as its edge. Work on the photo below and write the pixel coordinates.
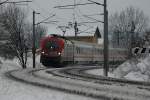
(51, 49)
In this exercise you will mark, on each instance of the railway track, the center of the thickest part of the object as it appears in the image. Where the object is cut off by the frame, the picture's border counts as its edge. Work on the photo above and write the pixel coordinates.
(75, 80)
(81, 74)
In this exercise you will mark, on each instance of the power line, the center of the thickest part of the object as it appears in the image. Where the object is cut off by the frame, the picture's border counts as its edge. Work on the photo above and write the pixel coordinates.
(95, 14)
(42, 10)
(66, 8)
(51, 15)
(88, 22)
(86, 29)
(81, 17)
(93, 18)
(89, 17)
(43, 21)
(18, 1)
(73, 5)
(96, 3)
(13, 2)
(3, 2)
(50, 22)
(76, 13)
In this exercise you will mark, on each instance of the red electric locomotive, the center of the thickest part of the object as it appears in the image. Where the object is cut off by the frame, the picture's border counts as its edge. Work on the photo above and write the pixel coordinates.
(51, 49)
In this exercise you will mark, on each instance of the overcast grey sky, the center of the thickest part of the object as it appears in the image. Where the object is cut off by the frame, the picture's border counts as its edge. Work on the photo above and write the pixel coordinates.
(46, 8)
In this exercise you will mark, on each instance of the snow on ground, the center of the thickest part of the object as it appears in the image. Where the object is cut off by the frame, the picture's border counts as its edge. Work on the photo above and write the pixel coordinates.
(134, 69)
(13, 90)
(99, 72)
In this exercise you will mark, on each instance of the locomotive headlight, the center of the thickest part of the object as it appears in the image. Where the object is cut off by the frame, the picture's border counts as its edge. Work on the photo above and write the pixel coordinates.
(43, 52)
(59, 53)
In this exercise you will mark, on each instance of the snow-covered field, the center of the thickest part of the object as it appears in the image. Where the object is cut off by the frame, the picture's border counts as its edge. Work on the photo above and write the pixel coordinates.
(13, 90)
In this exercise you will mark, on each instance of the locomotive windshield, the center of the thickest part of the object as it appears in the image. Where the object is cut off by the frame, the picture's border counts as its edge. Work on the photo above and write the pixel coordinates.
(51, 45)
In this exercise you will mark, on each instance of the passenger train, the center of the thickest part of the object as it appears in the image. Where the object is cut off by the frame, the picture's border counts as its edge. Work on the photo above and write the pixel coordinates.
(60, 50)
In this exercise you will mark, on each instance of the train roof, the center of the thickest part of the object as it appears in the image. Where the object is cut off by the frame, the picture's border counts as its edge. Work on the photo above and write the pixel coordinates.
(87, 43)
(81, 43)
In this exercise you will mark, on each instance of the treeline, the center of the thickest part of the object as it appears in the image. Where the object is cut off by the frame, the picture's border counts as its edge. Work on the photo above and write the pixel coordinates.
(129, 28)
(16, 33)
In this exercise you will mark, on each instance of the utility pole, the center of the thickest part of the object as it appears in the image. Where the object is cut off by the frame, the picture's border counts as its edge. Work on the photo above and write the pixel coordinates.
(106, 67)
(105, 50)
(33, 38)
(118, 38)
(75, 28)
(132, 38)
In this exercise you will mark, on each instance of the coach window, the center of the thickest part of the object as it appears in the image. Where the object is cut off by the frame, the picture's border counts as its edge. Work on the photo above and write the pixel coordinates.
(87, 50)
(119, 52)
(100, 51)
(81, 50)
(111, 53)
(90, 50)
(96, 51)
(93, 51)
(77, 49)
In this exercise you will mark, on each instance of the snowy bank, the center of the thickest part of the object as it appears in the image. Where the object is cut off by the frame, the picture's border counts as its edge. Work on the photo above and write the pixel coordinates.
(15, 61)
(134, 69)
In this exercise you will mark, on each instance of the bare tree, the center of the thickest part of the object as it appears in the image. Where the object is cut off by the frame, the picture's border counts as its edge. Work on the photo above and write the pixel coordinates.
(5, 50)
(13, 20)
(147, 38)
(127, 26)
(2, 2)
